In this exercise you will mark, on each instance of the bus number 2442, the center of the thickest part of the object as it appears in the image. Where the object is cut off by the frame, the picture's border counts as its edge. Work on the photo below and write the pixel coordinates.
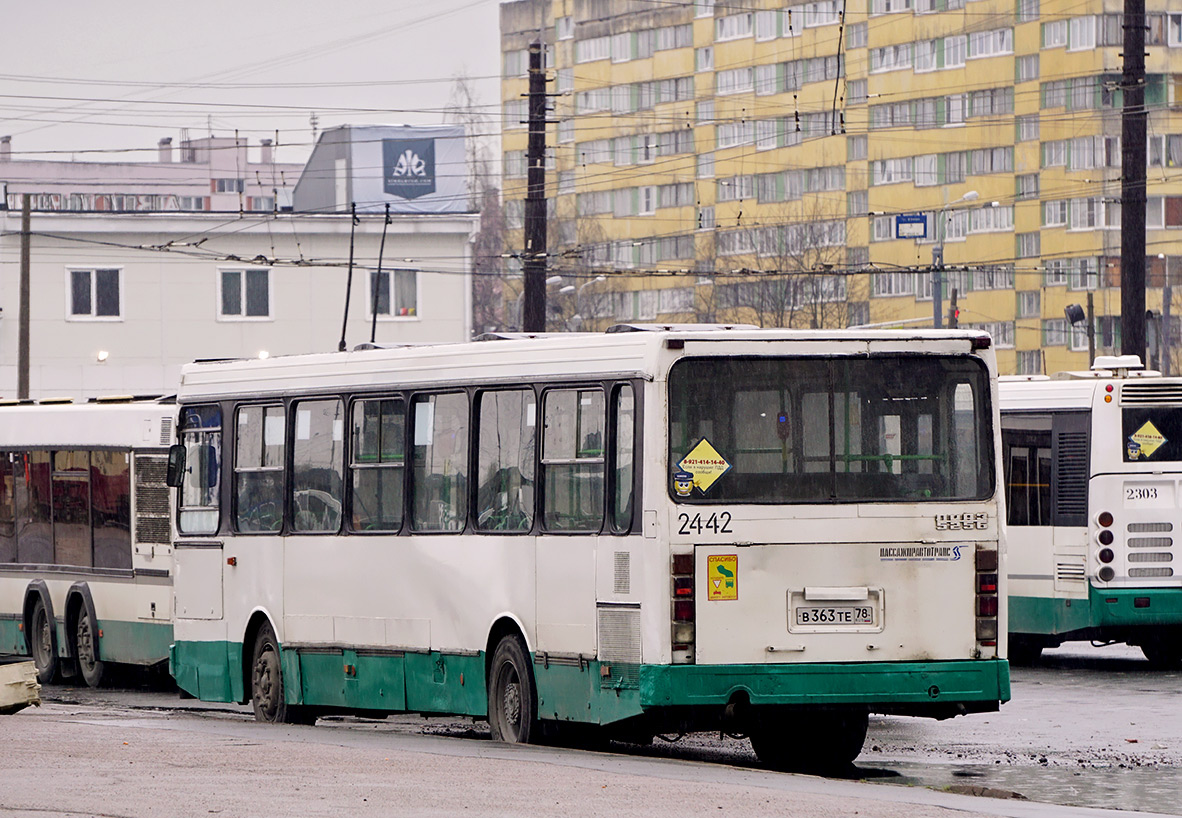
(719, 523)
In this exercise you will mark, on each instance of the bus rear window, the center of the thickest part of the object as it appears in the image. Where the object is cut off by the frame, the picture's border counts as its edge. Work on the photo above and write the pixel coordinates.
(841, 430)
(1152, 434)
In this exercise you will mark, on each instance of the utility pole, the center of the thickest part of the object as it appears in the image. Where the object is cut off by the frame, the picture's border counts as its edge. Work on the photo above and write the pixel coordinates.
(1091, 330)
(1167, 295)
(22, 354)
(953, 311)
(1132, 185)
(938, 283)
(534, 264)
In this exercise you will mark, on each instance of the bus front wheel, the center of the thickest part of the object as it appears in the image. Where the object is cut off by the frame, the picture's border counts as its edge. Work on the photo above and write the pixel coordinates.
(267, 695)
(512, 697)
(816, 741)
(41, 643)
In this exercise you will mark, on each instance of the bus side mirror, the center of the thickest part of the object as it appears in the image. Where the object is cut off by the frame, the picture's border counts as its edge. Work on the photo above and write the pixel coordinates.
(176, 465)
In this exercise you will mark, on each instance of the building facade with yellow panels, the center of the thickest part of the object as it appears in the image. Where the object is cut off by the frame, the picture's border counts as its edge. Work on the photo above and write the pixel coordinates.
(810, 164)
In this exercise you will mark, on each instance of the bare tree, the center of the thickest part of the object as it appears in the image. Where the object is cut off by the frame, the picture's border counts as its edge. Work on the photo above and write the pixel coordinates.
(488, 248)
(791, 270)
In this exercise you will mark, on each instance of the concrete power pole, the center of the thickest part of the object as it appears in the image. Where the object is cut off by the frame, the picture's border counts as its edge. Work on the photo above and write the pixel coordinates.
(1132, 186)
(534, 264)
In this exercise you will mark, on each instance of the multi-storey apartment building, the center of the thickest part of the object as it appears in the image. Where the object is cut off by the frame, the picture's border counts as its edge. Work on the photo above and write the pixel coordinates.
(813, 164)
(214, 173)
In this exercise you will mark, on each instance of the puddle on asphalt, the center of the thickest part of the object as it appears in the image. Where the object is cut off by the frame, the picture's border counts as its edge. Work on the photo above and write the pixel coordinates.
(1148, 789)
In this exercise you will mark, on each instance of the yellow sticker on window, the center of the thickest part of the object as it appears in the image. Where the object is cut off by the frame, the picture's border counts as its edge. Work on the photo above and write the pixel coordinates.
(1145, 441)
(722, 577)
(705, 464)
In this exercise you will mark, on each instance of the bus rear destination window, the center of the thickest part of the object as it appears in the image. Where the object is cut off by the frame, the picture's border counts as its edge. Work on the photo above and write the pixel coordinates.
(830, 430)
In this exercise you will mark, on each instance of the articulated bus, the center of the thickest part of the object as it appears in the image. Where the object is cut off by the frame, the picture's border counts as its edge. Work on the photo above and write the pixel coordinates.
(651, 530)
(85, 535)
(1093, 469)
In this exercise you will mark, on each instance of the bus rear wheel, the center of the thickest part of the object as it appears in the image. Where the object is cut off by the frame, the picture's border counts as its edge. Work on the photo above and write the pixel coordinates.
(512, 697)
(1164, 651)
(819, 741)
(41, 646)
(267, 695)
(86, 648)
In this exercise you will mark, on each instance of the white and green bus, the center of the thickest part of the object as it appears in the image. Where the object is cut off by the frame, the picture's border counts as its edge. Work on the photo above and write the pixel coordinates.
(651, 530)
(85, 535)
(1093, 469)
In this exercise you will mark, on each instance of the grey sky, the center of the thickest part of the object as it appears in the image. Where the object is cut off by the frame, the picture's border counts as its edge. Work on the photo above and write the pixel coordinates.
(260, 67)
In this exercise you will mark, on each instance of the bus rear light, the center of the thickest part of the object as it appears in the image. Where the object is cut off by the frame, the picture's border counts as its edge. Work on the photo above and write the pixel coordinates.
(1106, 574)
(985, 561)
(682, 622)
(1105, 537)
(1106, 555)
(1104, 519)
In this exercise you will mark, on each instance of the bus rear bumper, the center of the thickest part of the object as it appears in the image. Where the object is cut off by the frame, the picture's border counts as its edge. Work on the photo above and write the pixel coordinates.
(936, 688)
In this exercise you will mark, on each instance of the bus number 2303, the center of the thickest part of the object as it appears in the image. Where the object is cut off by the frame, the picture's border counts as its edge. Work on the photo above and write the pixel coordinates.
(1141, 493)
(719, 523)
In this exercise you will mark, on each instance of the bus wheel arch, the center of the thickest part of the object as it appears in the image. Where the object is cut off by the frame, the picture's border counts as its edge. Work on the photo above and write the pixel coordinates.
(40, 631)
(512, 690)
(82, 634)
(263, 682)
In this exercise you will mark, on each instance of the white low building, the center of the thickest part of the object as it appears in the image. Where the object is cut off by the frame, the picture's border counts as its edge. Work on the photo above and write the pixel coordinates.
(119, 301)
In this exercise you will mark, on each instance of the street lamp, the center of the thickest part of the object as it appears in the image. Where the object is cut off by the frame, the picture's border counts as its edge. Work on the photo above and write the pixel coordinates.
(938, 260)
(579, 295)
(552, 281)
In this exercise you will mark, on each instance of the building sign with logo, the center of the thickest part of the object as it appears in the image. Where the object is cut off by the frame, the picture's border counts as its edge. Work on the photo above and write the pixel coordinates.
(408, 167)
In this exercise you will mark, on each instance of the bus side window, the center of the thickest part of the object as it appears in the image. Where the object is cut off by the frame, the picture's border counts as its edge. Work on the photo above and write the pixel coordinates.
(439, 482)
(623, 459)
(7, 508)
(318, 466)
(110, 514)
(258, 468)
(573, 459)
(505, 461)
(199, 497)
(34, 520)
(378, 464)
(1027, 462)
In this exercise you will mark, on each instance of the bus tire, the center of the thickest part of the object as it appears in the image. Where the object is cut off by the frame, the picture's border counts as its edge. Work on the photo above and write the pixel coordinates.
(821, 741)
(1024, 651)
(42, 645)
(512, 696)
(86, 649)
(267, 694)
(1164, 652)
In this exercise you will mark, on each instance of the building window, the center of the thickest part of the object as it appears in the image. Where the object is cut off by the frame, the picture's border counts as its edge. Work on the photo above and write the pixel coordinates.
(1027, 186)
(1026, 68)
(245, 293)
(95, 293)
(1028, 244)
(227, 185)
(1030, 362)
(704, 58)
(1029, 303)
(564, 28)
(856, 35)
(405, 291)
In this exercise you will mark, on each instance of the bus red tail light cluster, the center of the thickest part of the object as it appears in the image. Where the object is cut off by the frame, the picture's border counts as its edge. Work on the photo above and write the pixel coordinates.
(683, 608)
(987, 600)
(1105, 538)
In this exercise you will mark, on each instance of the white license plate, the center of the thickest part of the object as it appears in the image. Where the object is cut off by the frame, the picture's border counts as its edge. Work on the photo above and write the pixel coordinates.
(834, 615)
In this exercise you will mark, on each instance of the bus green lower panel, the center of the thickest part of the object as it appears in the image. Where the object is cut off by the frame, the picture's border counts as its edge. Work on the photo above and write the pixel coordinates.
(416, 682)
(881, 683)
(134, 643)
(211, 671)
(1113, 609)
(584, 693)
(12, 637)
